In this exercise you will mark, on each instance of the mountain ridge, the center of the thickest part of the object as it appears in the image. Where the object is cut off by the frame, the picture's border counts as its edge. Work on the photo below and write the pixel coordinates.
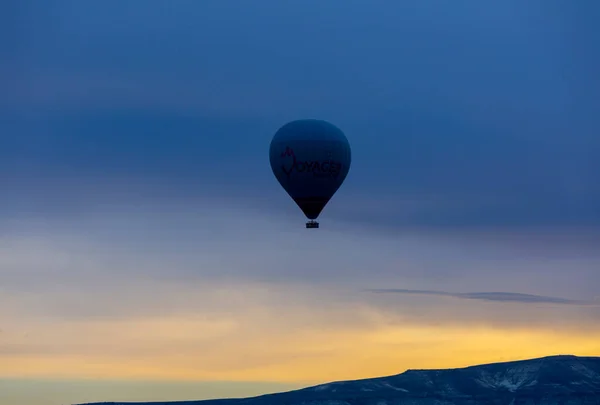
(550, 380)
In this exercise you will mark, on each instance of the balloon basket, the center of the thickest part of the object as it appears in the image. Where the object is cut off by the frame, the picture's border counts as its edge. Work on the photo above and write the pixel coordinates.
(312, 225)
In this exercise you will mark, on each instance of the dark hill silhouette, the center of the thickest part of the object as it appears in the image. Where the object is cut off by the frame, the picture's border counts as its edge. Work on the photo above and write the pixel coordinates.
(553, 380)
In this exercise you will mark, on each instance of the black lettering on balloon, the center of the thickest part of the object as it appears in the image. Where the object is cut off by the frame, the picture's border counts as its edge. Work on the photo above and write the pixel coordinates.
(320, 169)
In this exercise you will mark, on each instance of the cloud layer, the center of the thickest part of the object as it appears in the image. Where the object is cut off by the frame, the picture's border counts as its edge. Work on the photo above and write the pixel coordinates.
(493, 296)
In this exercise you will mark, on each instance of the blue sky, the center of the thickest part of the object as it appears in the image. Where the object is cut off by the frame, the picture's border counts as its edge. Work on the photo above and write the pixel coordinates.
(484, 111)
(134, 163)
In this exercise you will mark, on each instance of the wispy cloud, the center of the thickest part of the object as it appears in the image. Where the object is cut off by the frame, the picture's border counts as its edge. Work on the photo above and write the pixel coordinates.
(491, 296)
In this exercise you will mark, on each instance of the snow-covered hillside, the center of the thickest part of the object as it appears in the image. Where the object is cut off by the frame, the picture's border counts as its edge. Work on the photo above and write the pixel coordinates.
(564, 380)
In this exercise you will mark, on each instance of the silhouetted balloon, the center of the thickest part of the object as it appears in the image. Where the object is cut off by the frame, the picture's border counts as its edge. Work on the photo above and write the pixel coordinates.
(310, 159)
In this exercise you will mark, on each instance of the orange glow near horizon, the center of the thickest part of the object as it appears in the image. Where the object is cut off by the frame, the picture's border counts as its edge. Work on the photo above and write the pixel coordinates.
(182, 349)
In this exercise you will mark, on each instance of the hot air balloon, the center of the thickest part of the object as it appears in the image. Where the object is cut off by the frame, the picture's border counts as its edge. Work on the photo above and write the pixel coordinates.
(310, 159)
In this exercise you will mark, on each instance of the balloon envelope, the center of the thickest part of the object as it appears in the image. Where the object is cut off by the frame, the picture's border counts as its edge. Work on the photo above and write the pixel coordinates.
(310, 159)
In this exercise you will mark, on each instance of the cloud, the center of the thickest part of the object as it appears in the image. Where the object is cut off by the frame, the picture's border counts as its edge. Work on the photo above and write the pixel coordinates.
(123, 244)
(200, 292)
(490, 296)
(291, 334)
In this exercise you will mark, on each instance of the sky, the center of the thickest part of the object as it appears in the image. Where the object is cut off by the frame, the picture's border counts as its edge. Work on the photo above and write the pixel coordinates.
(147, 252)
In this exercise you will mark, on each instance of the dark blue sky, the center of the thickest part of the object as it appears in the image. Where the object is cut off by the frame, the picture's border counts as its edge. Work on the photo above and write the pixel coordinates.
(482, 114)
